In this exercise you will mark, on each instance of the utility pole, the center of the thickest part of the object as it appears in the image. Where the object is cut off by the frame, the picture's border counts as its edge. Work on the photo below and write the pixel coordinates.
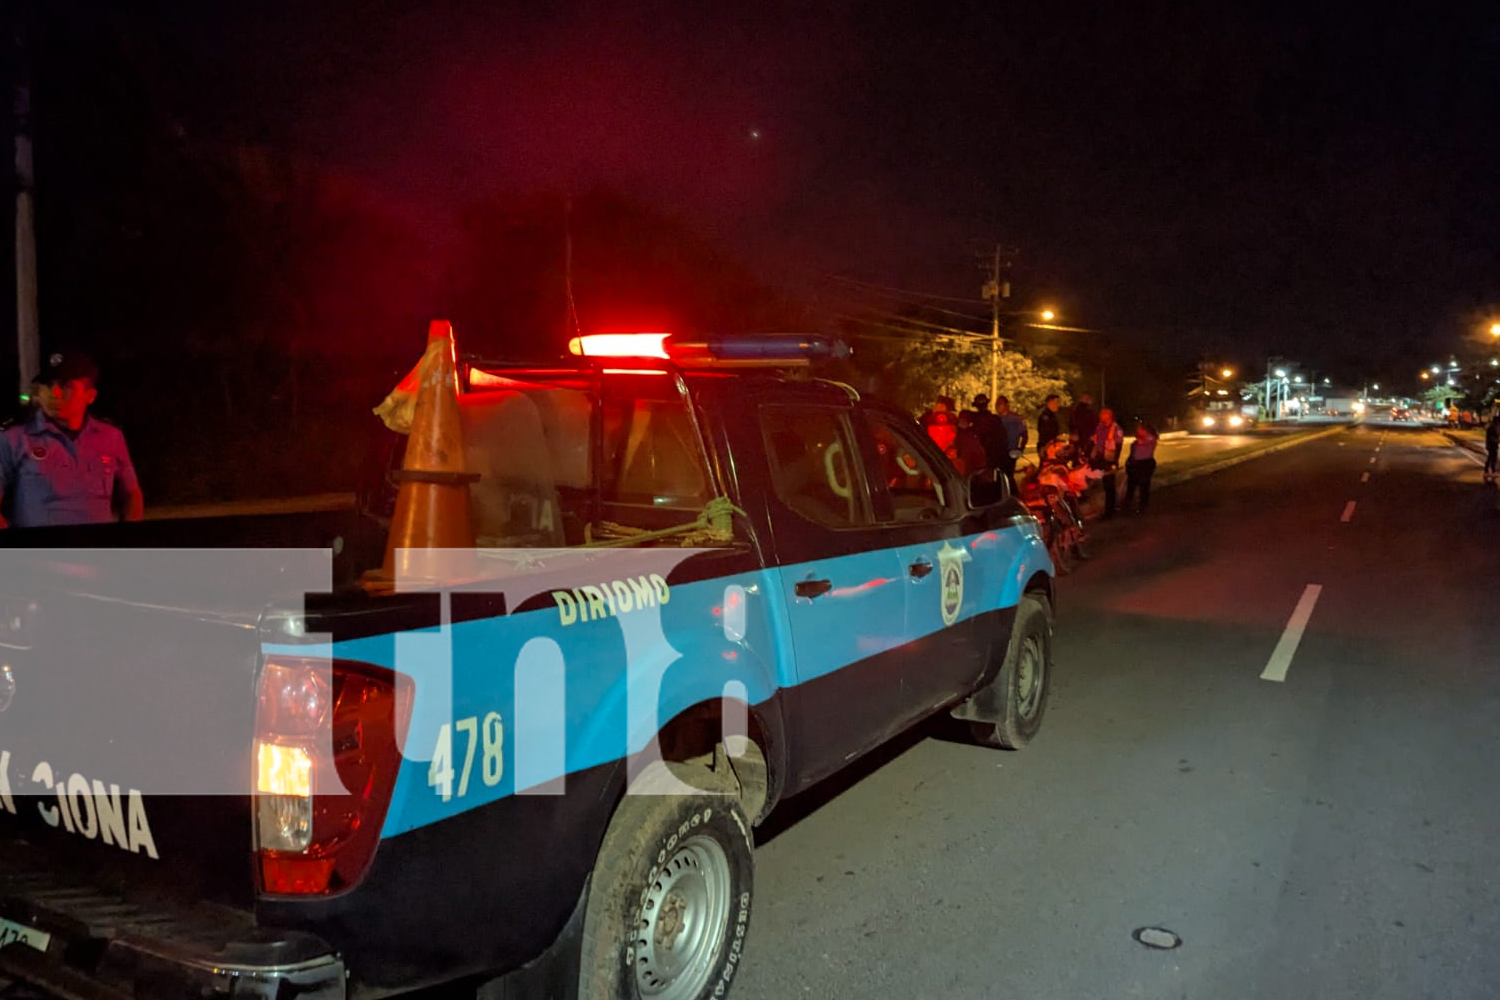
(995, 290)
(28, 336)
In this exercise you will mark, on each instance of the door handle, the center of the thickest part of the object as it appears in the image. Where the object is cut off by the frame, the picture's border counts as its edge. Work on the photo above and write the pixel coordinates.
(920, 568)
(813, 588)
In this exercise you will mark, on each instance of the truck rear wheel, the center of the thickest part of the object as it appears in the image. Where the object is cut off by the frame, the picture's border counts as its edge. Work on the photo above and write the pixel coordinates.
(669, 905)
(1024, 680)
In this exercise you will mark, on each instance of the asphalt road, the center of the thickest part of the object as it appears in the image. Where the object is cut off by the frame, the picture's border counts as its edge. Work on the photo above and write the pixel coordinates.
(1200, 447)
(1333, 834)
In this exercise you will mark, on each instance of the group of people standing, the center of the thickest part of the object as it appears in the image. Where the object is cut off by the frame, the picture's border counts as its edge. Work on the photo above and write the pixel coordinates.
(977, 439)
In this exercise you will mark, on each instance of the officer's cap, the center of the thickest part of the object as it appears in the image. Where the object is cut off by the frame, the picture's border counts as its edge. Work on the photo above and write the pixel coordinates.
(64, 368)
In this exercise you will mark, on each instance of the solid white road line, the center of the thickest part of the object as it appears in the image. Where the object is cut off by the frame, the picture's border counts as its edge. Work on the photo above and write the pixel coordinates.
(1281, 657)
(1348, 512)
(1364, 477)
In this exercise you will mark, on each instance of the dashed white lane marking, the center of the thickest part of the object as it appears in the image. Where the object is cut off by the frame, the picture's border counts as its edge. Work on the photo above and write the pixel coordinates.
(1364, 477)
(1348, 512)
(1281, 656)
(1372, 459)
(1471, 456)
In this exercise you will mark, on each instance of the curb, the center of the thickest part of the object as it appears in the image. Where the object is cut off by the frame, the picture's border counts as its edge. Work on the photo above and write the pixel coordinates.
(1466, 444)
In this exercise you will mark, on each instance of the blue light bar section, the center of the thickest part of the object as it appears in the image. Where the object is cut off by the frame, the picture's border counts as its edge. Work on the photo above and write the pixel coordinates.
(776, 347)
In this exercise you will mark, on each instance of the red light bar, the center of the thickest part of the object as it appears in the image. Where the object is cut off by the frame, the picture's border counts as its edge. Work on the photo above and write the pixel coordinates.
(733, 350)
(620, 345)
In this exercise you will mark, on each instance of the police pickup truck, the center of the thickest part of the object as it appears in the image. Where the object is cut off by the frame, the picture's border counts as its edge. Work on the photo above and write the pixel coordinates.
(702, 581)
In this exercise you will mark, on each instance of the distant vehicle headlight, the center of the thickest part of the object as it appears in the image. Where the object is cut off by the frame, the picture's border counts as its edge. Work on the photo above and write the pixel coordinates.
(1236, 421)
(1208, 421)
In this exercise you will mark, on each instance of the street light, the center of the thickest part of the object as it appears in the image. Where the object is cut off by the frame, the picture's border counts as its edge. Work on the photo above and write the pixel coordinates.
(1227, 373)
(1495, 329)
(1426, 376)
(1281, 373)
(1048, 315)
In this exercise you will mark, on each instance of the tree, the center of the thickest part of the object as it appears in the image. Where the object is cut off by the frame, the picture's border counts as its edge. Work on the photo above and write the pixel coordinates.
(915, 369)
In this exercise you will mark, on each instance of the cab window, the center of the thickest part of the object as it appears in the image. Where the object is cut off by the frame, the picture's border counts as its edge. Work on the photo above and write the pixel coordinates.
(917, 489)
(651, 455)
(811, 456)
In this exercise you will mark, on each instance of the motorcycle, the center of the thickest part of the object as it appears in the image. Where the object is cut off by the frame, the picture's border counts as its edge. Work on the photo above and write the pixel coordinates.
(1053, 492)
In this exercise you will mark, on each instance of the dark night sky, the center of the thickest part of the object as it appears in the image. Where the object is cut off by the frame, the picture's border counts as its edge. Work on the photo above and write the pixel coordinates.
(1321, 184)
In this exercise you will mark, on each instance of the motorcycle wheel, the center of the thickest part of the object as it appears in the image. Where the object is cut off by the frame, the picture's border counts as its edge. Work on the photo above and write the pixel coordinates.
(1057, 546)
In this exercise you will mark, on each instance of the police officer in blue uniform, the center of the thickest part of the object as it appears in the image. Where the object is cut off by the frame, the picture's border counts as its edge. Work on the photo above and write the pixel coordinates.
(63, 466)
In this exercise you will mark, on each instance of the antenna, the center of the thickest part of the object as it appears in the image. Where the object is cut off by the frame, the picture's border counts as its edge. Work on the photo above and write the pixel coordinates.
(572, 318)
(28, 335)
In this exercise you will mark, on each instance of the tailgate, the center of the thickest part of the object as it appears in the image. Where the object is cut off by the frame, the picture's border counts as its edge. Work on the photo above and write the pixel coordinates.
(127, 680)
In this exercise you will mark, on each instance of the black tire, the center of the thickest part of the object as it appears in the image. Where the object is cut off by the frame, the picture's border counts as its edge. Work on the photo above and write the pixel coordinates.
(1057, 546)
(1025, 678)
(666, 863)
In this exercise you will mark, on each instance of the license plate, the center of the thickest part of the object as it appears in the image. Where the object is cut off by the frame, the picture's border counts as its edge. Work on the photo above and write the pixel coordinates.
(11, 932)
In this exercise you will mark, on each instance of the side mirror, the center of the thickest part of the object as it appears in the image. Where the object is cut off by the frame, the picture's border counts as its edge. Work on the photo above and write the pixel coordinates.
(988, 488)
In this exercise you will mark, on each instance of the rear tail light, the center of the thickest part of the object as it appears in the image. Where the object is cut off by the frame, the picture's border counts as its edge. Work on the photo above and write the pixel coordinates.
(326, 758)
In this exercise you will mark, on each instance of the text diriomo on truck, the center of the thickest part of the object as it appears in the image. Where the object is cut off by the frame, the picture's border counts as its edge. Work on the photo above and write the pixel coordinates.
(691, 582)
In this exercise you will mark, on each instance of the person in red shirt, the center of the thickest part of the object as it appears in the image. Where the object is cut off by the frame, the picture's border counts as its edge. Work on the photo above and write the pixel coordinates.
(959, 443)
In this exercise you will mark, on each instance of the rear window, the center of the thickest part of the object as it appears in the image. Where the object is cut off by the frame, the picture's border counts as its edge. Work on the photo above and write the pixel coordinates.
(652, 455)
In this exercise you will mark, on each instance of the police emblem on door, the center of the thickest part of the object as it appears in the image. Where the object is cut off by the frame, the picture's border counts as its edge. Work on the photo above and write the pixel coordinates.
(951, 570)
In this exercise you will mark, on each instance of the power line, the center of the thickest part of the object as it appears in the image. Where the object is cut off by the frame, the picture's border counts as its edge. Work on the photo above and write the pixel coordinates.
(861, 306)
(916, 335)
(901, 291)
(950, 312)
(929, 326)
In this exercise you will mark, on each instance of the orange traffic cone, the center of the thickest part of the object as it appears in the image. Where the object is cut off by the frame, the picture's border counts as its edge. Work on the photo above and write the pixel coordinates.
(432, 505)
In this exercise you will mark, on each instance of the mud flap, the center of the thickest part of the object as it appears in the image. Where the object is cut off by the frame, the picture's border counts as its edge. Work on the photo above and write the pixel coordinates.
(552, 975)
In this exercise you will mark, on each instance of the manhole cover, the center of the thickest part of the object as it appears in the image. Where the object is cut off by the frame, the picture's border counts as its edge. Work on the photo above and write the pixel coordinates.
(1157, 937)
